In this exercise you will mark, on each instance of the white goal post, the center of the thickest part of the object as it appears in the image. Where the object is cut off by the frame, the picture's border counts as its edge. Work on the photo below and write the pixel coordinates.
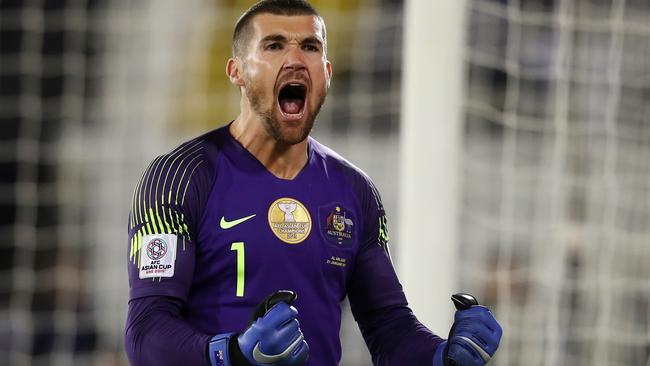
(429, 157)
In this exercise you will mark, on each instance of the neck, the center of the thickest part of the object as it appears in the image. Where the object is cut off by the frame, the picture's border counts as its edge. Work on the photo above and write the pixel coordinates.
(282, 160)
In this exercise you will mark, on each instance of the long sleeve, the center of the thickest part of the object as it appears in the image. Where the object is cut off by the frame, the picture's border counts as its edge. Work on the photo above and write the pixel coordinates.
(167, 207)
(168, 204)
(393, 334)
(156, 334)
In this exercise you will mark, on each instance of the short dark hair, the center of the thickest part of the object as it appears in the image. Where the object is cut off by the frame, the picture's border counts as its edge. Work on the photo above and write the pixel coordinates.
(242, 34)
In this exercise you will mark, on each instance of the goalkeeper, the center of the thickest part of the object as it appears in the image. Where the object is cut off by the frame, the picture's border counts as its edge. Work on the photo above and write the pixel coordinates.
(244, 241)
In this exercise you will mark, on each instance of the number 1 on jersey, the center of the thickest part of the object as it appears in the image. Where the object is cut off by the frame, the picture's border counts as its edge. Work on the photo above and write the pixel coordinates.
(239, 248)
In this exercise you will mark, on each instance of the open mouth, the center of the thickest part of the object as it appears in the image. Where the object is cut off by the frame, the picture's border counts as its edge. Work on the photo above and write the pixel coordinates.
(292, 99)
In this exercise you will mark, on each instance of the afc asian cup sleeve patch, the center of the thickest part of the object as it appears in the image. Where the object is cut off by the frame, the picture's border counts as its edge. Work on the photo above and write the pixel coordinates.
(157, 255)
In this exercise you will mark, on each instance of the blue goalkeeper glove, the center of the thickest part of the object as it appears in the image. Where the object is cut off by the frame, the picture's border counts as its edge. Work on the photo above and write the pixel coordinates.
(474, 337)
(272, 338)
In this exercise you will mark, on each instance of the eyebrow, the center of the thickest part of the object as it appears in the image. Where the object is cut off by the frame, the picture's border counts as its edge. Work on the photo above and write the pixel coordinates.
(274, 38)
(281, 38)
(312, 39)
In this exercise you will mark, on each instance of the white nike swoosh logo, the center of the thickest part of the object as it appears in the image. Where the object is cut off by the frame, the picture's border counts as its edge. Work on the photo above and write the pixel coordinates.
(224, 224)
(484, 355)
(263, 358)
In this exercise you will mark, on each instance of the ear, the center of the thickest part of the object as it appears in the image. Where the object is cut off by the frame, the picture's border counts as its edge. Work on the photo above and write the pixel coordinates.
(234, 72)
(328, 72)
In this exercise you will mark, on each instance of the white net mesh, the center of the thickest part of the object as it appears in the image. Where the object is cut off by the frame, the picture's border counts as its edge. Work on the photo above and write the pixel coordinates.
(556, 194)
(46, 312)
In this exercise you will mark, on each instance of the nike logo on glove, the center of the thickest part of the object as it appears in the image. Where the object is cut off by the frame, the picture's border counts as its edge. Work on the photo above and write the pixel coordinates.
(263, 358)
(224, 224)
(484, 355)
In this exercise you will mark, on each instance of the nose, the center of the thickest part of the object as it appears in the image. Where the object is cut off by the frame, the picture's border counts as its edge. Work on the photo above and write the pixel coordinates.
(294, 60)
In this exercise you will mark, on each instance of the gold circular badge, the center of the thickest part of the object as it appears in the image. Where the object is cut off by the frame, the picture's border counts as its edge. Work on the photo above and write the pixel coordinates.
(289, 220)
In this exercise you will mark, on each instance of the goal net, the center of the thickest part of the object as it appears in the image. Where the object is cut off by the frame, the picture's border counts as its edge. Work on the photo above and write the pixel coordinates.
(556, 195)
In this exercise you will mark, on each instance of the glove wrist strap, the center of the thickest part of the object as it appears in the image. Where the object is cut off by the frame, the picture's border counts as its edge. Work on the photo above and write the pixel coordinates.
(218, 349)
(440, 356)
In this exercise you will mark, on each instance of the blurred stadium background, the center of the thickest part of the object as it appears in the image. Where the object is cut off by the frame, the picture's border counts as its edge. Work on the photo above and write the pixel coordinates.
(553, 206)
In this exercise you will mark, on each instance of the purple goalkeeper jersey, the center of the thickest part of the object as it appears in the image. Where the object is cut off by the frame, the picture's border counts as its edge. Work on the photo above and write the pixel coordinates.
(211, 226)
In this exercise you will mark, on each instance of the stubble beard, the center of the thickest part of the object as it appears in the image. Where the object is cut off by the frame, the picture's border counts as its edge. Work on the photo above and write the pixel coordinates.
(272, 125)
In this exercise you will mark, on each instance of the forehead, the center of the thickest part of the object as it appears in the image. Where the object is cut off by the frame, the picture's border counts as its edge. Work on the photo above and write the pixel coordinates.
(290, 26)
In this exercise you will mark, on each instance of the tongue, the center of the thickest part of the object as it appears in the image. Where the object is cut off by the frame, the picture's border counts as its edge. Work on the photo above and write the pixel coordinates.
(291, 106)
